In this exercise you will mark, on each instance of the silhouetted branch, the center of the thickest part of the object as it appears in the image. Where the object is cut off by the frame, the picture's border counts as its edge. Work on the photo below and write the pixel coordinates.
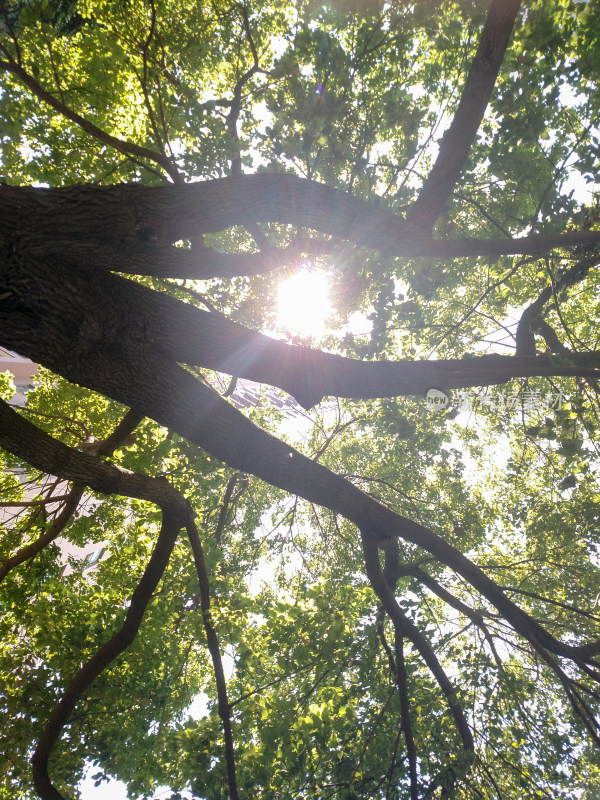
(403, 627)
(21, 437)
(215, 654)
(122, 146)
(456, 143)
(105, 447)
(402, 682)
(229, 499)
(531, 320)
(173, 521)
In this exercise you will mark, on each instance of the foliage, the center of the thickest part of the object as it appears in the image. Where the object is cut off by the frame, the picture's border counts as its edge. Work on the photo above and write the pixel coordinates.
(332, 688)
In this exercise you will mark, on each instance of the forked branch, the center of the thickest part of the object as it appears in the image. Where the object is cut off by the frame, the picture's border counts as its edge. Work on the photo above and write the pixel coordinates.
(105, 447)
(403, 627)
(22, 438)
(120, 145)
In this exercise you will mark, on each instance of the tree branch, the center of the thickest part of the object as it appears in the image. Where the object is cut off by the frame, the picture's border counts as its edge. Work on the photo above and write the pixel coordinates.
(21, 437)
(404, 627)
(105, 447)
(172, 397)
(137, 219)
(228, 499)
(124, 147)
(458, 139)
(215, 654)
(185, 334)
(236, 103)
(179, 262)
(405, 721)
(531, 318)
(174, 519)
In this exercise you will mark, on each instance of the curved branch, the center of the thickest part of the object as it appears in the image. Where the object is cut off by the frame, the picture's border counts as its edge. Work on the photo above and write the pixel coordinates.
(136, 217)
(122, 146)
(26, 441)
(405, 628)
(26, 553)
(173, 521)
(531, 319)
(22, 438)
(106, 448)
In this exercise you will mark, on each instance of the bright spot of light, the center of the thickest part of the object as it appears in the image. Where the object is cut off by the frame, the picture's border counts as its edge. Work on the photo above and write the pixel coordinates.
(303, 304)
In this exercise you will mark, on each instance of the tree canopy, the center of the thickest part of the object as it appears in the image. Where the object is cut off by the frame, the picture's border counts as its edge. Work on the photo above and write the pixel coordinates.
(387, 586)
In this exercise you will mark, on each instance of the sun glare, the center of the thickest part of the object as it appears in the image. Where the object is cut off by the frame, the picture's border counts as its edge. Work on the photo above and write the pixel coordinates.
(303, 304)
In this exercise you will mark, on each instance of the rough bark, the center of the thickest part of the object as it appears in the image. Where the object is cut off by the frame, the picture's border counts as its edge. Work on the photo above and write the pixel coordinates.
(98, 310)
(136, 220)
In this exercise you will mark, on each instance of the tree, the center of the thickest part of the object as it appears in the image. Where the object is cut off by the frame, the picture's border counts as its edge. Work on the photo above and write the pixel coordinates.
(165, 165)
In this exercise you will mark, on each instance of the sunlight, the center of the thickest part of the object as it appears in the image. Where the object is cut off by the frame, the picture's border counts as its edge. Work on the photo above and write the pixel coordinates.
(303, 304)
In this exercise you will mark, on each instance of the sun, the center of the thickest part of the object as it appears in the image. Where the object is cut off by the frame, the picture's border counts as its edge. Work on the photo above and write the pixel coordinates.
(303, 304)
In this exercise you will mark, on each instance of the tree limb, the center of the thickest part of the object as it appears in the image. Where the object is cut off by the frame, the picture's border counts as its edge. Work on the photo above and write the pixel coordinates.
(171, 396)
(22, 438)
(173, 521)
(405, 721)
(105, 447)
(531, 319)
(215, 653)
(178, 262)
(404, 627)
(139, 219)
(185, 334)
(458, 139)
(122, 146)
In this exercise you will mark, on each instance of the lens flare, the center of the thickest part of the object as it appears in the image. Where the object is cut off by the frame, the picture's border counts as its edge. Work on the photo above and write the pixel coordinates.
(303, 304)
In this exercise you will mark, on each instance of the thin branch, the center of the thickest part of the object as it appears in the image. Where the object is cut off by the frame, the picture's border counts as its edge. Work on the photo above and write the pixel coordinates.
(405, 628)
(30, 503)
(106, 447)
(405, 721)
(236, 103)
(213, 647)
(229, 499)
(122, 146)
(56, 528)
